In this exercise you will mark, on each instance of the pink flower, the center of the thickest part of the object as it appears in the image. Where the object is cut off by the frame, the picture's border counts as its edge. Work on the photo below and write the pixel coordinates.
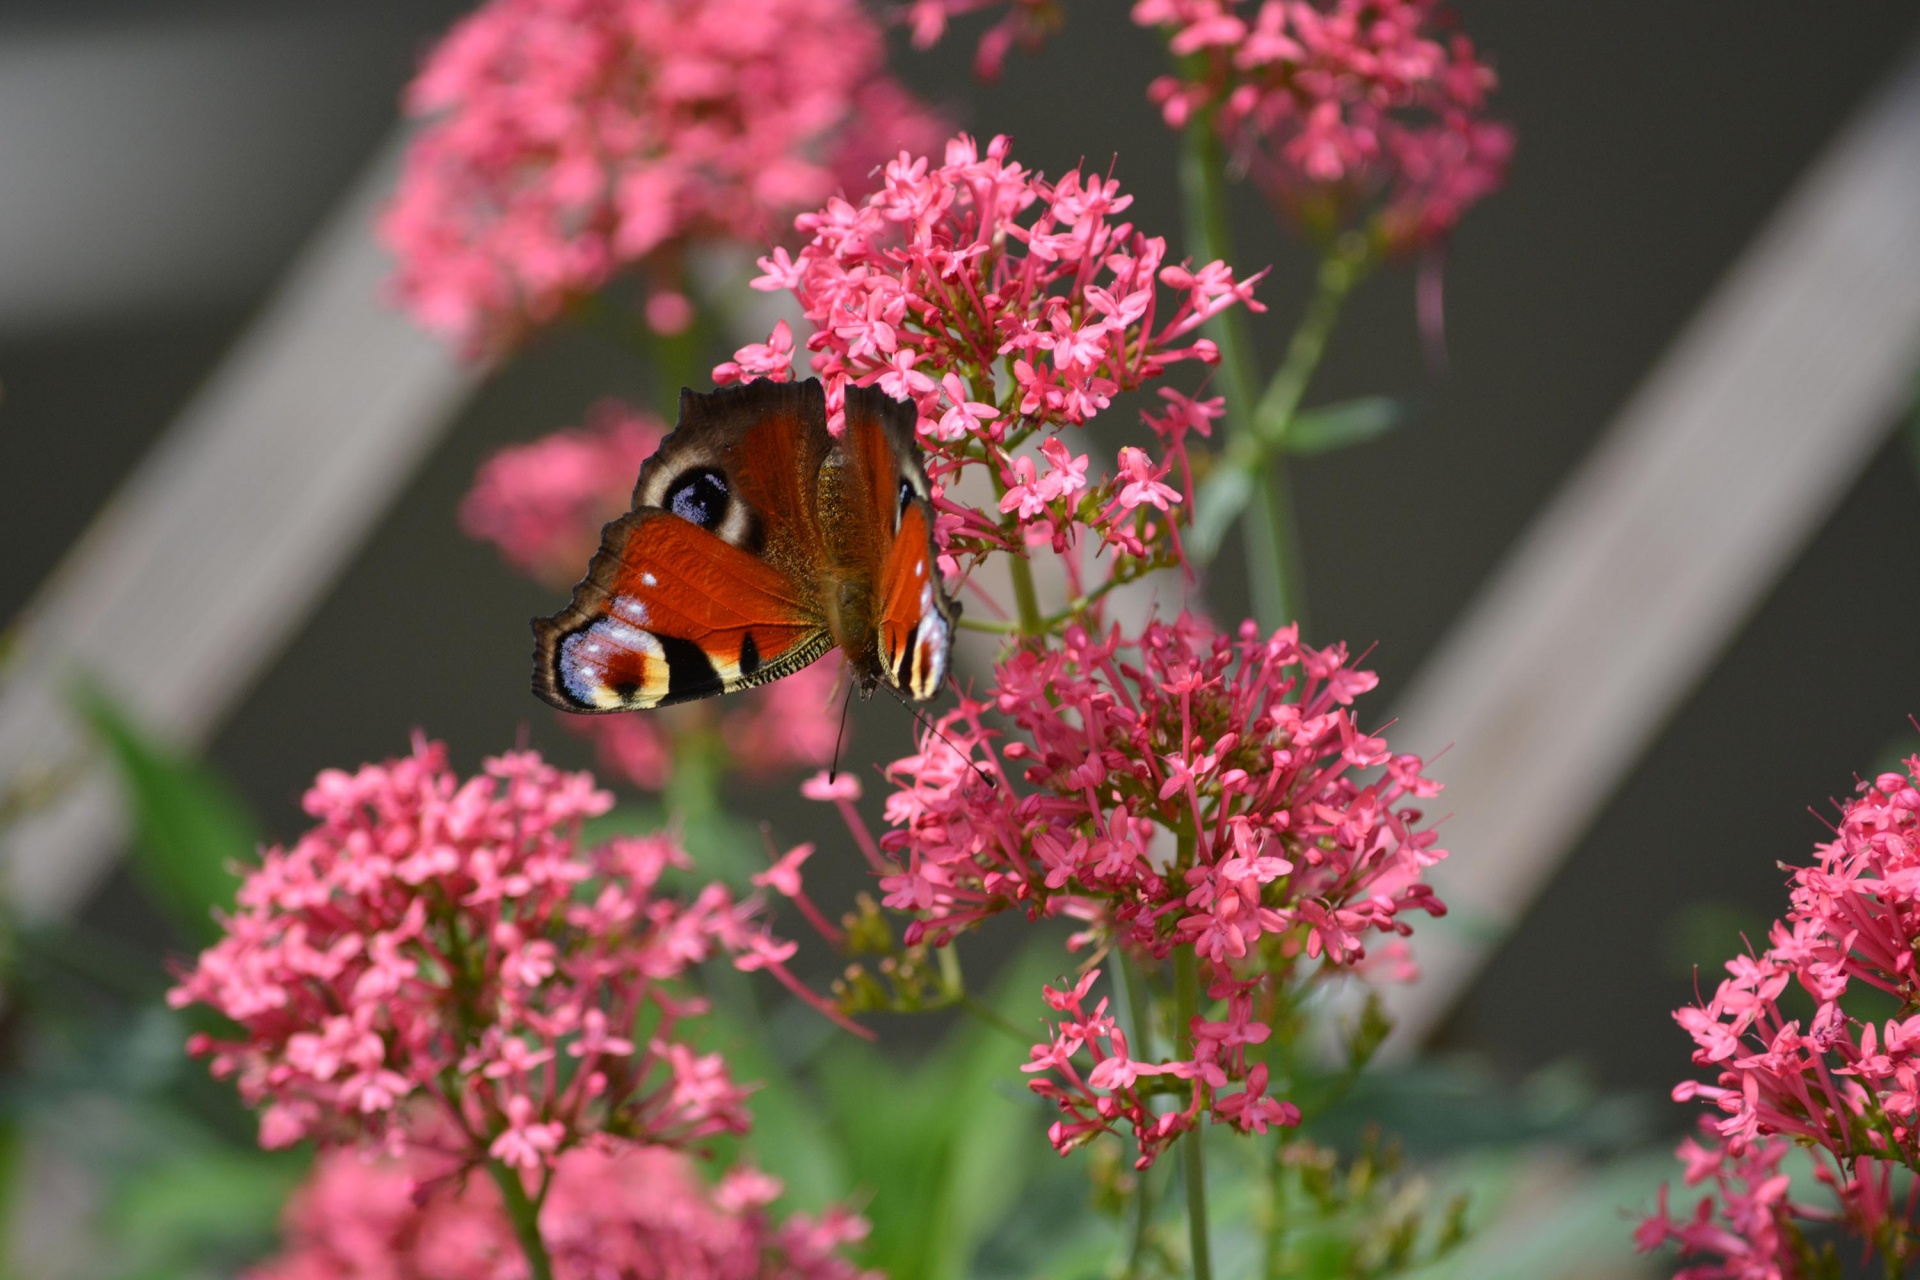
(570, 140)
(1745, 1225)
(542, 504)
(633, 1214)
(1047, 797)
(1841, 1085)
(1006, 307)
(432, 944)
(1346, 112)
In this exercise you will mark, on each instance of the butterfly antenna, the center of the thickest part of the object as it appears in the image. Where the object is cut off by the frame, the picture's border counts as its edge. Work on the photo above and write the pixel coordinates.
(925, 722)
(846, 704)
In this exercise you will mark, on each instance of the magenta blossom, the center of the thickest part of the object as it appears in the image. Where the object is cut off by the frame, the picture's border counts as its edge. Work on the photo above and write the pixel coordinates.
(1842, 1084)
(641, 1213)
(571, 140)
(449, 947)
(1183, 790)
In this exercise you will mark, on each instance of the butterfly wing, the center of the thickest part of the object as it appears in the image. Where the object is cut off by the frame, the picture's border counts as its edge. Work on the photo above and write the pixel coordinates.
(711, 583)
(913, 614)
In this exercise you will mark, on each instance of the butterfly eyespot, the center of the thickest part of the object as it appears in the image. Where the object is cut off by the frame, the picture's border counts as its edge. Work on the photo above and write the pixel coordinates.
(699, 497)
(906, 500)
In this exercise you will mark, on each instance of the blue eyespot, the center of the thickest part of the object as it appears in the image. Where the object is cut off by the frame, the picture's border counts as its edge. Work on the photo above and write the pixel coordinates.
(700, 497)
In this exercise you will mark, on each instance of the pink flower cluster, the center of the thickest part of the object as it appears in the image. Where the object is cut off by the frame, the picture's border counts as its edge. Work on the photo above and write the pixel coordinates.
(568, 140)
(1183, 790)
(1344, 111)
(1842, 1083)
(1004, 306)
(447, 947)
(1744, 1227)
(636, 1214)
(542, 505)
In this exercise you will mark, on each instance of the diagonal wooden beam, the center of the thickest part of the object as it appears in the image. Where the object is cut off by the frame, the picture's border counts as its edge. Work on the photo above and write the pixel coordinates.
(216, 549)
(1636, 577)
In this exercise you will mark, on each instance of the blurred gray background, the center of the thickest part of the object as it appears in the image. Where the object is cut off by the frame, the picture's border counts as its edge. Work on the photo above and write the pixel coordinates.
(162, 161)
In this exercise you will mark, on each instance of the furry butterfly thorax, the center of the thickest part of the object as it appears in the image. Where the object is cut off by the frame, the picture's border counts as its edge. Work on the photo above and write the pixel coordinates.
(757, 542)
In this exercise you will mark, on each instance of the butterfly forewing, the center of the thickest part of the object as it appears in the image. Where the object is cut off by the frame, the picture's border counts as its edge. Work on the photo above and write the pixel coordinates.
(757, 541)
(710, 583)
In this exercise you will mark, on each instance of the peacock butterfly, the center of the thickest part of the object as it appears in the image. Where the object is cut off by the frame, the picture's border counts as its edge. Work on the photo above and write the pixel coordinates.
(757, 542)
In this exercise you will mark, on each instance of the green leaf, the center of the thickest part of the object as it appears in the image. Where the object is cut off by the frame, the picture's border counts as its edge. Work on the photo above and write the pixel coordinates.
(944, 1147)
(211, 1207)
(1343, 425)
(191, 831)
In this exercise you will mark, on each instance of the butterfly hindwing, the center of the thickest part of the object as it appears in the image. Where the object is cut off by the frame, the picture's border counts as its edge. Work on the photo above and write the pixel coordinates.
(914, 617)
(670, 612)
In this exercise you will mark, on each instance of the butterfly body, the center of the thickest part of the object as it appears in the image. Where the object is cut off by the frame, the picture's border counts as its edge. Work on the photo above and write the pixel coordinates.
(757, 542)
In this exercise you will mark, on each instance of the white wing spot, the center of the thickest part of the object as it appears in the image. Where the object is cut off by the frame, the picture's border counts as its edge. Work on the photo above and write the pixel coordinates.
(649, 580)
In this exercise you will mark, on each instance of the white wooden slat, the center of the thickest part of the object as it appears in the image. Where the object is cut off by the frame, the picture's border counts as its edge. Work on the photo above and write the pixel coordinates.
(225, 537)
(1720, 468)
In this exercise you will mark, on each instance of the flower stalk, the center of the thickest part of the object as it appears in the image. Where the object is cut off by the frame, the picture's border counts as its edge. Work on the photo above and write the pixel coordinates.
(1274, 577)
(523, 1211)
(1193, 1159)
(1134, 995)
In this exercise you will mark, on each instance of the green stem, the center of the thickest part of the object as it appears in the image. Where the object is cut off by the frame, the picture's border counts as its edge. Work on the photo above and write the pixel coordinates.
(1274, 578)
(1340, 271)
(1276, 1224)
(1193, 1159)
(994, 1018)
(525, 1216)
(1133, 990)
(1025, 600)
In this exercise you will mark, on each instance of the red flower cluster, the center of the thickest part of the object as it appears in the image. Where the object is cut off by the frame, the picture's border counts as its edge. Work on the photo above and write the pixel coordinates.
(572, 139)
(1185, 789)
(635, 1214)
(1842, 1084)
(445, 946)
(542, 505)
(1004, 306)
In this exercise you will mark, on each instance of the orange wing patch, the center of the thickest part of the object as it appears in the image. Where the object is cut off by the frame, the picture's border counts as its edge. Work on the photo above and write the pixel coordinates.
(670, 612)
(916, 633)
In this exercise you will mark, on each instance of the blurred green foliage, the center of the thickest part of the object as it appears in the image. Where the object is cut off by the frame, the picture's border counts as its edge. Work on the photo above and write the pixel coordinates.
(190, 829)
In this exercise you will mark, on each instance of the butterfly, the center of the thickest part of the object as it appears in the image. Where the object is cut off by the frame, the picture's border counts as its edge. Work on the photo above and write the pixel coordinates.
(757, 542)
